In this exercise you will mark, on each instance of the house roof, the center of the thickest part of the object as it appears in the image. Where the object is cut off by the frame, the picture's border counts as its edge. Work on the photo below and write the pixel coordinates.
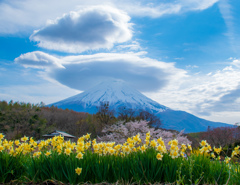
(57, 133)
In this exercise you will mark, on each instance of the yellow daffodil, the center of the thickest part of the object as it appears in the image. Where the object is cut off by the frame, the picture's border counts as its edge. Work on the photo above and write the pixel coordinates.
(174, 142)
(78, 170)
(227, 160)
(217, 150)
(37, 154)
(59, 151)
(128, 149)
(159, 156)
(203, 143)
(117, 147)
(131, 145)
(111, 151)
(87, 145)
(67, 151)
(11, 152)
(160, 141)
(24, 139)
(87, 136)
(184, 147)
(105, 150)
(174, 154)
(143, 148)
(189, 147)
(79, 155)
(95, 147)
(161, 149)
(153, 143)
(94, 141)
(148, 133)
(237, 148)
(213, 155)
(136, 138)
(1, 148)
(17, 142)
(48, 153)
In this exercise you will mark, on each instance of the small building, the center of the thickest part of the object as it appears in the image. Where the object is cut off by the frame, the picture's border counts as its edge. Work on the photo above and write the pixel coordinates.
(59, 133)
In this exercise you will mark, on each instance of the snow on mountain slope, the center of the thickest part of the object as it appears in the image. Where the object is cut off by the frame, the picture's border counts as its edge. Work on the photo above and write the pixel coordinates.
(118, 94)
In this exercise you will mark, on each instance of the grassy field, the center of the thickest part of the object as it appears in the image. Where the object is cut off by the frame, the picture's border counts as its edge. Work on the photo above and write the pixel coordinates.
(135, 161)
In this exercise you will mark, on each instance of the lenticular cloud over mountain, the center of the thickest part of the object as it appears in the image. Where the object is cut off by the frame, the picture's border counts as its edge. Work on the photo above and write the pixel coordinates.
(84, 71)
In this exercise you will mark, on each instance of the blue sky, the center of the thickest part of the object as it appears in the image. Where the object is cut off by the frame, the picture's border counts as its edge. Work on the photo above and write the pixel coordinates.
(184, 54)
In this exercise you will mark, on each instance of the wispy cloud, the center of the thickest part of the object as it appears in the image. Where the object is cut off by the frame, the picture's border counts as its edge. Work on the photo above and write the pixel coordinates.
(43, 92)
(196, 5)
(133, 46)
(192, 66)
(23, 16)
(226, 10)
(156, 9)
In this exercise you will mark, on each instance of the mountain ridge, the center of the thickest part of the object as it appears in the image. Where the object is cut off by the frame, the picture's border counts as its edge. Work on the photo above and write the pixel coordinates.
(119, 94)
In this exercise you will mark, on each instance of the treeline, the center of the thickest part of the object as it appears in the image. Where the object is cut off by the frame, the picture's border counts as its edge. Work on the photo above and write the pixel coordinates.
(34, 120)
(18, 119)
(226, 137)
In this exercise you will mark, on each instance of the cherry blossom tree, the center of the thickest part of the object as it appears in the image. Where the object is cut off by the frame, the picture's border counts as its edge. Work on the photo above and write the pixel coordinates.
(121, 131)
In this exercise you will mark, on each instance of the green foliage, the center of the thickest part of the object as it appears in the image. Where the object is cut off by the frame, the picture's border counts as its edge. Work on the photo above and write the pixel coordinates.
(11, 168)
(201, 169)
(140, 167)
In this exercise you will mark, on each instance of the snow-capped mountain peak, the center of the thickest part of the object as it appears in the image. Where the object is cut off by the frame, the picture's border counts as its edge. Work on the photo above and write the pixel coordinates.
(117, 93)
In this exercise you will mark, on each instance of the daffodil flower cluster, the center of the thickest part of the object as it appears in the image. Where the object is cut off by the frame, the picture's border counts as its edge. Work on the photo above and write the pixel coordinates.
(236, 151)
(216, 151)
(27, 145)
(174, 150)
(205, 147)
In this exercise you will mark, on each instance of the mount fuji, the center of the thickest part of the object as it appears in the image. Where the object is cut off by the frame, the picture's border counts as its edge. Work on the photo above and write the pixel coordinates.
(118, 94)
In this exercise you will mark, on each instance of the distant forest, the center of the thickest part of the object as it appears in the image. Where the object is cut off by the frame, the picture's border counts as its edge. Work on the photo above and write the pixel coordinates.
(34, 120)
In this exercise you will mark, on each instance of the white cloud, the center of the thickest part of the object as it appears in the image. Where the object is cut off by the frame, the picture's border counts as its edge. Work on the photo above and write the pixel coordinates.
(192, 66)
(189, 5)
(38, 59)
(153, 10)
(133, 46)
(236, 63)
(157, 9)
(206, 95)
(91, 28)
(83, 71)
(23, 16)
